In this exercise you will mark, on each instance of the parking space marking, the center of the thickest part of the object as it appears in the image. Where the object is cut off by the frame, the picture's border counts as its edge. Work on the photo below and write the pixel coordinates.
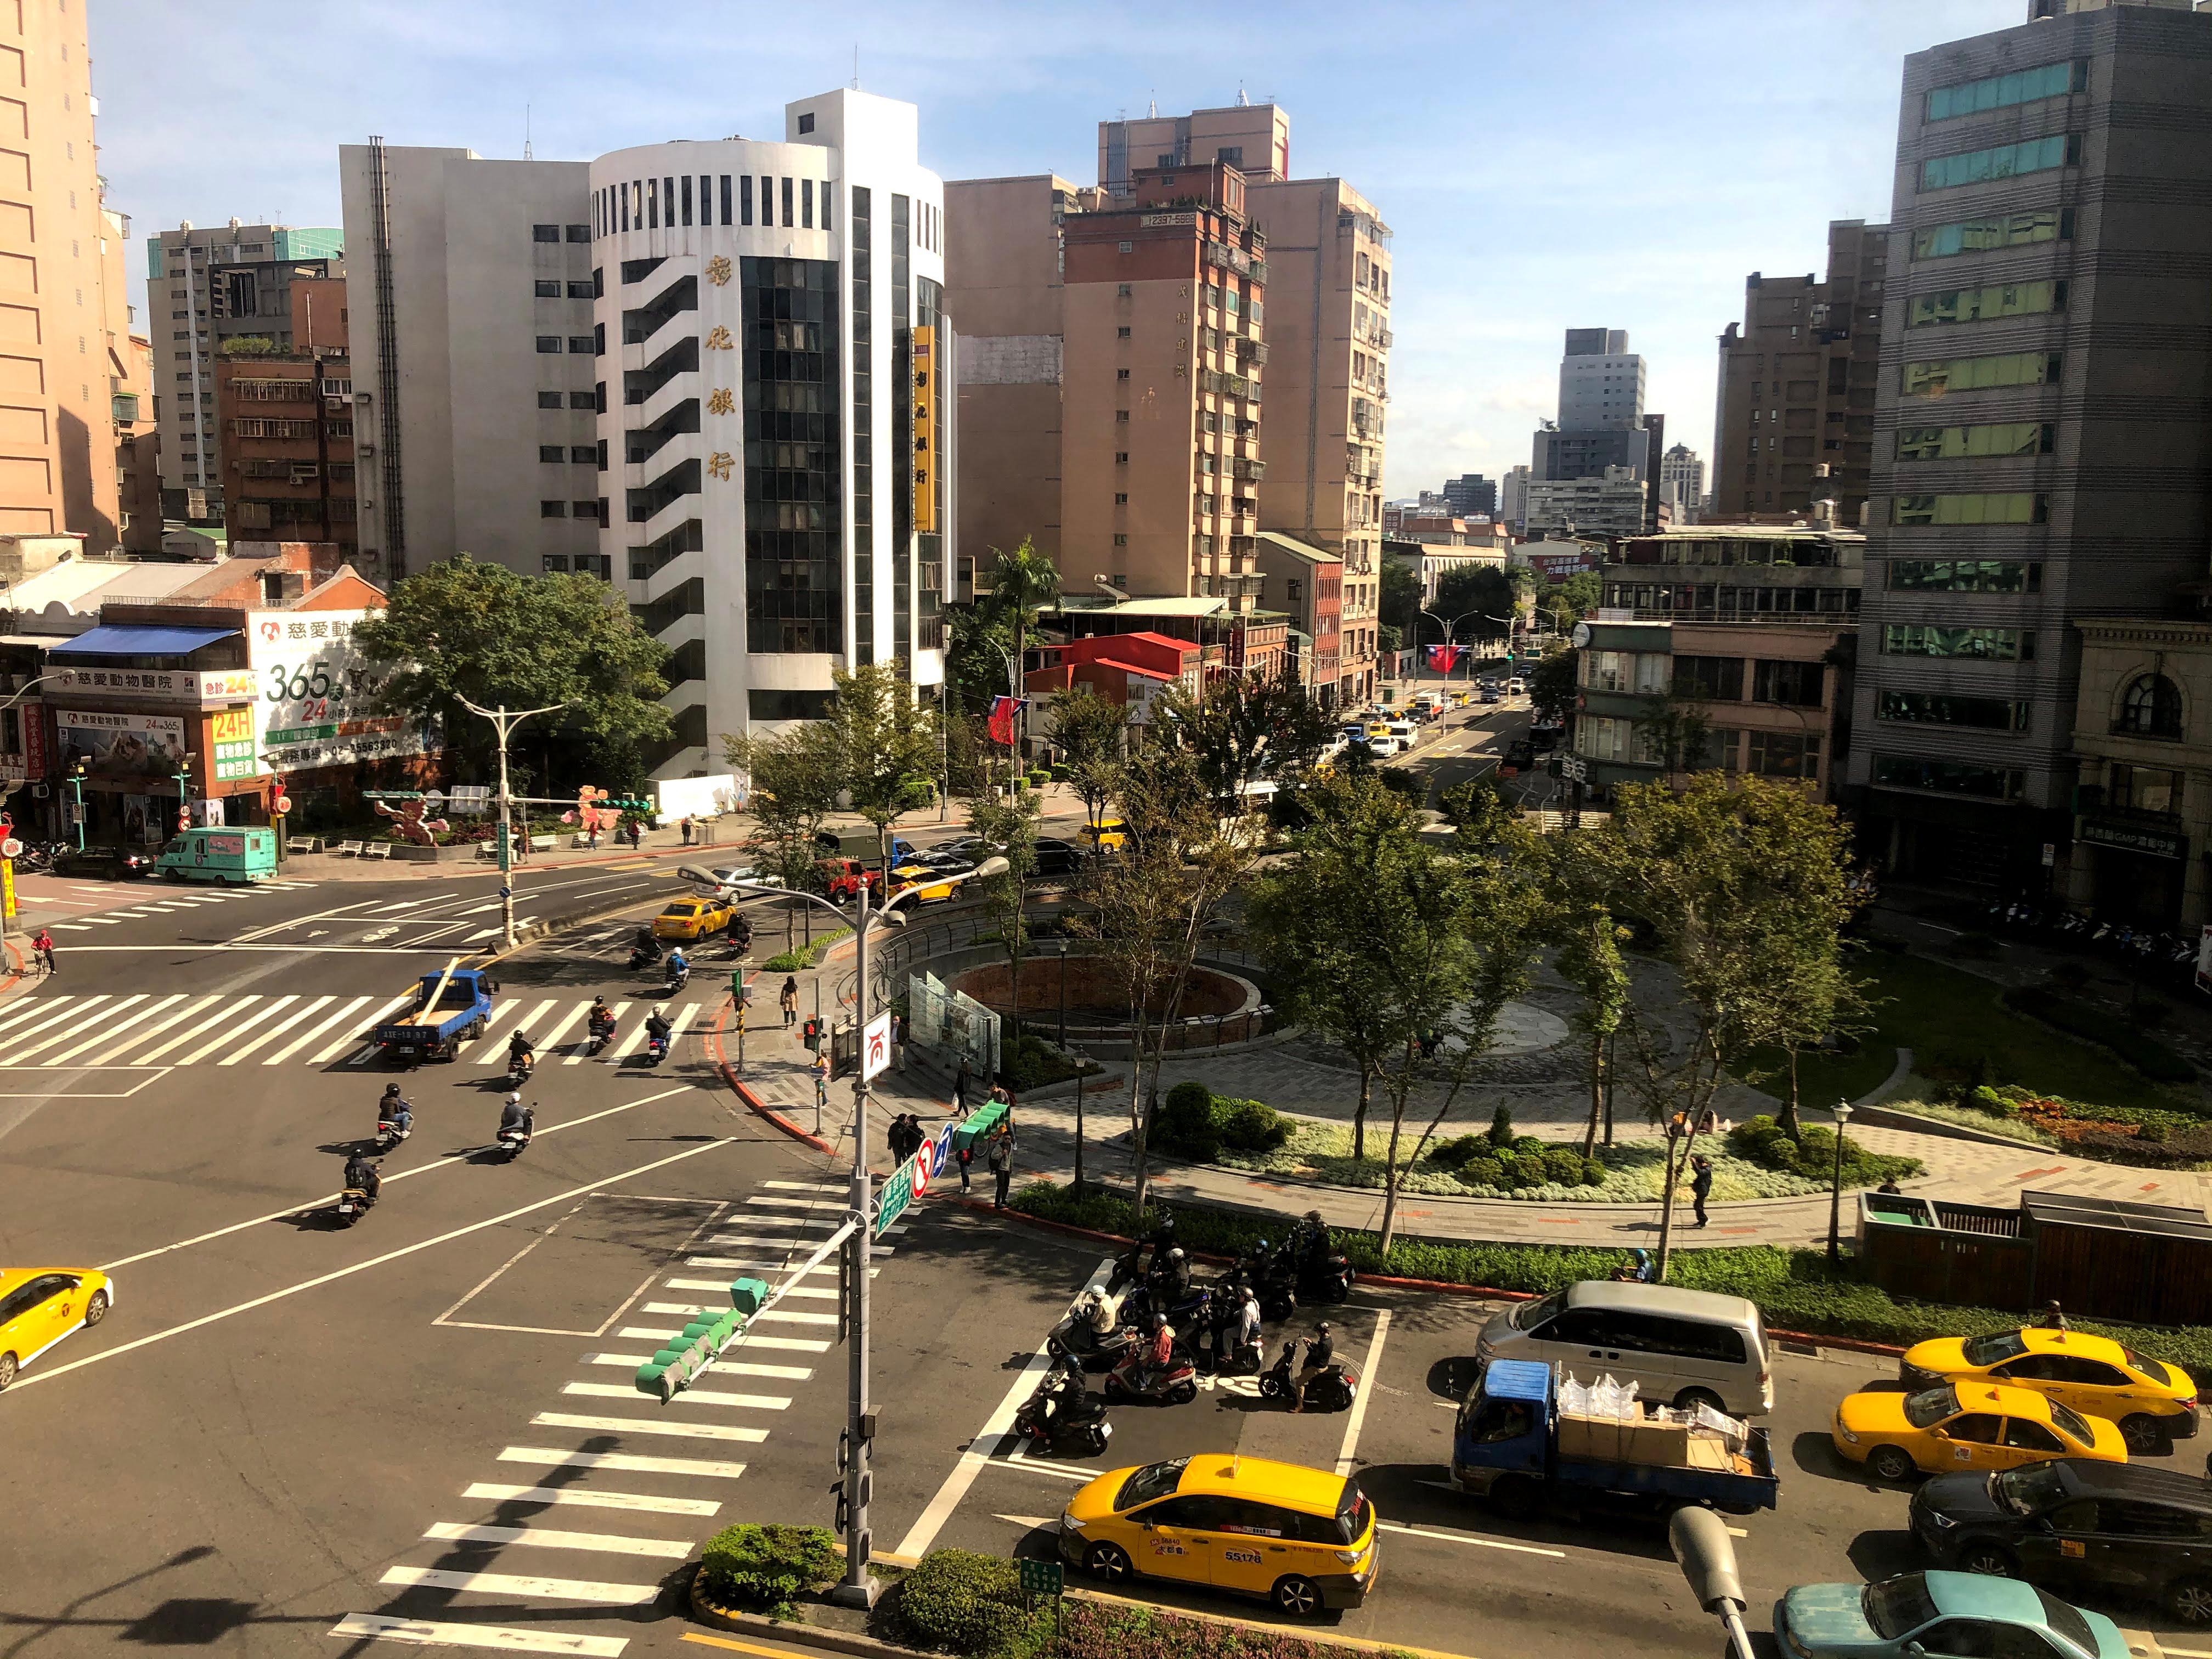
(1367, 1375)
(1468, 1538)
(429, 1634)
(592, 1500)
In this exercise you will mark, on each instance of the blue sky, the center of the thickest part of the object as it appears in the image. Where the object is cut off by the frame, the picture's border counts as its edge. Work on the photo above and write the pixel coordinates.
(1580, 163)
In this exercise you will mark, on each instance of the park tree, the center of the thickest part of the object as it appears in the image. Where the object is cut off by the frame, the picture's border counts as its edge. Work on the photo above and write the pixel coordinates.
(794, 776)
(1486, 591)
(1588, 958)
(978, 640)
(1090, 733)
(461, 630)
(887, 745)
(1242, 728)
(1149, 905)
(1398, 601)
(1008, 829)
(1024, 583)
(1551, 688)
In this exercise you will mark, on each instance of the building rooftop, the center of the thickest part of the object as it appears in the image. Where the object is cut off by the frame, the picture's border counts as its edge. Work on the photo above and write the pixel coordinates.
(1299, 550)
(1196, 604)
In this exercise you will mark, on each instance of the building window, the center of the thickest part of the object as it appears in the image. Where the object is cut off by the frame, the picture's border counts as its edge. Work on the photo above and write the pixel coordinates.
(581, 344)
(786, 204)
(1943, 443)
(554, 564)
(1120, 373)
(545, 232)
(1648, 672)
(806, 204)
(1795, 684)
(551, 452)
(2150, 709)
(549, 400)
(794, 471)
(1940, 708)
(2009, 507)
(1943, 375)
(1783, 755)
(546, 342)
(686, 197)
(546, 290)
(1122, 333)
(587, 509)
(1127, 247)
(1976, 166)
(582, 291)
(1121, 498)
(1121, 540)
(2144, 789)
(764, 704)
(1999, 231)
(1121, 291)
(1948, 777)
(1965, 576)
(580, 233)
(552, 510)
(1709, 679)
(744, 198)
(806, 122)
(1988, 644)
(582, 399)
(1982, 305)
(1121, 416)
(1121, 458)
(2003, 91)
(584, 454)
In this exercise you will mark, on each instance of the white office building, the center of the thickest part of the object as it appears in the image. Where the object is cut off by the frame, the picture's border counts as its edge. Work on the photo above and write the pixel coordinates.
(1682, 483)
(1611, 504)
(706, 371)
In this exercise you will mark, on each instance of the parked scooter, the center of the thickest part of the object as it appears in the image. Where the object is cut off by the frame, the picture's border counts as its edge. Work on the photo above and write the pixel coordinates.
(1176, 1386)
(1062, 1410)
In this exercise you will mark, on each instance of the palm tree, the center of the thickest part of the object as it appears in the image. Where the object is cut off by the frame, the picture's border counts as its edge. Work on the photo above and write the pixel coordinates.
(1023, 584)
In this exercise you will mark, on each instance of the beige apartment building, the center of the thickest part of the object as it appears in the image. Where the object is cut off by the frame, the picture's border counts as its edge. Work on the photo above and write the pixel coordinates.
(65, 358)
(1328, 345)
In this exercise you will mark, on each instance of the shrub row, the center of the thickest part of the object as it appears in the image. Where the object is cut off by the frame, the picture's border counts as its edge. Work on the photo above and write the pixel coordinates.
(804, 955)
(1812, 1153)
(1522, 1162)
(966, 1603)
(764, 1569)
(1794, 1288)
(2079, 1019)
(1194, 1123)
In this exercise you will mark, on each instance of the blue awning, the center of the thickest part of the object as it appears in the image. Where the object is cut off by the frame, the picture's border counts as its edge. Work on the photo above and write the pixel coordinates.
(131, 641)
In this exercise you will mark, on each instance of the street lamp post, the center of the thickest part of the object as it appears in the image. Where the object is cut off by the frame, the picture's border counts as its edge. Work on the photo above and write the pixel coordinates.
(183, 775)
(1843, 1110)
(1063, 993)
(857, 1588)
(504, 723)
(76, 783)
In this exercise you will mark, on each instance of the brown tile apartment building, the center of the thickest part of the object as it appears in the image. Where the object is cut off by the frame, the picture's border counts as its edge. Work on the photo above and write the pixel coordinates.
(285, 419)
(1796, 421)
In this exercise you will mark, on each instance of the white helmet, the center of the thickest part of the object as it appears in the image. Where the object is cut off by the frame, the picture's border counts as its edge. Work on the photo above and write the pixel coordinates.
(514, 1100)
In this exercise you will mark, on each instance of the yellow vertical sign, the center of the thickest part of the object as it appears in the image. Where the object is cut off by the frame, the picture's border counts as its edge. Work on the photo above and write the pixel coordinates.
(8, 889)
(925, 429)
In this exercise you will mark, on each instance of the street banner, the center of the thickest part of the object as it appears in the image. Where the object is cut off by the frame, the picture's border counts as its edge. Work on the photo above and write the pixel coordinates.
(876, 1046)
(1003, 710)
(1445, 658)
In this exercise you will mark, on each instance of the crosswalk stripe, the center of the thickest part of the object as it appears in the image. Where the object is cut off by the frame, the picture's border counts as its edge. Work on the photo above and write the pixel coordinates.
(805, 1186)
(734, 1367)
(493, 1044)
(759, 1402)
(93, 1040)
(559, 1032)
(29, 1009)
(146, 1034)
(629, 1045)
(507, 1639)
(576, 1057)
(748, 1341)
(716, 1284)
(105, 921)
(511, 1584)
(551, 1538)
(794, 1317)
(592, 1500)
(354, 1034)
(622, 1463)
(353, 1005)
(276, 1030)
(829, 1217)
(69, 927)
(65, 1032)
(779, 1268)
(81, 1010)
(269, 1008)
(87, 1043)
(771, 1201)
(648, 1426)
(205, 1005)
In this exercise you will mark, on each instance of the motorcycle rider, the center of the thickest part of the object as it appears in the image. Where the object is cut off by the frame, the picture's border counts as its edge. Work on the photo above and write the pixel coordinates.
(1094, 1315)
(393, 1110)
(1313, 1252)
(646, 950)
(1320, 1350)
(360, 1175)
(1248, 1324)
(514, 1114)
(1170, 1279)
(656, 1028)
(680, 966)
(1158, 1354)
(600, 1021)
(520, 1056)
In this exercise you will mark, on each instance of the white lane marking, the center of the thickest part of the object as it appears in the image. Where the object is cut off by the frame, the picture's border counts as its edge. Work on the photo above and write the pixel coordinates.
(492, 1044)
(510, 1583)
(340, 1014)
(136, 1039)
(552, 1538)
(320, 1279)
(818, 1202)
(353, 1035)
(988, 1440)
(1367, 1375)
(104, 921)
(73, 1052)
(576, 1055)
(644, 1425)
(553, 1037)
(420, 1169)
(623, 1462)
(69, 927)
(237, 1056)
(592, 1500)
(814, 1291)
(793, 1317)
(805, 1186)
(230, 1033)
(628, 1046)
(507, 1639)
(480, 909)
(632, 1361)
(482, 933)
(764, 1402)
(1468, 1538)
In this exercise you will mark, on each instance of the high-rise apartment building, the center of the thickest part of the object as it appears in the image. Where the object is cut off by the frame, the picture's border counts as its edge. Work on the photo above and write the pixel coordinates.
(1616, 501)
(1682, 483)
(2044, 444)
(203, 289)
(1471, 496)
(1600, 381)
(1796, 420)
(1513, 498)
(67, 376)
(1253, 138)
(286, 419)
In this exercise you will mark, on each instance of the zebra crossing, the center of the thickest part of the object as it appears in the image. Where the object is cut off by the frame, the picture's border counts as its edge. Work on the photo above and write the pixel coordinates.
(621, 1486)
(145, 1028)
(169, 900)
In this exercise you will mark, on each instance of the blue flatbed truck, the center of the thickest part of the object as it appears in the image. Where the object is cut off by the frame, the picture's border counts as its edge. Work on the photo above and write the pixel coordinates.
(1505, 1448)
(450, 1007)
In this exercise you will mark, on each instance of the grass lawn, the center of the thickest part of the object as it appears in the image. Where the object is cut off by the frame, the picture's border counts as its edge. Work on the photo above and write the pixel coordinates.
(1950, 1019)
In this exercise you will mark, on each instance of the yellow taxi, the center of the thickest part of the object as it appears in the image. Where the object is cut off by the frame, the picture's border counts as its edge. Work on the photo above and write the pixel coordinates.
(923, 885)
(1299, 1538)
(1957, 1426)
(1461, 699)
(2153, 1403)
(692, 918)
(1107, 835)
(39, 1306)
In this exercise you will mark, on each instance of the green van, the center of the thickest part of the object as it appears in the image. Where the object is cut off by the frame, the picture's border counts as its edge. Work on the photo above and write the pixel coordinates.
(227, 855)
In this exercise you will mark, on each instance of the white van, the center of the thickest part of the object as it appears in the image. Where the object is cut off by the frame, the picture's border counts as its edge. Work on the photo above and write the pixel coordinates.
(1406, 732)
(1679, 1347)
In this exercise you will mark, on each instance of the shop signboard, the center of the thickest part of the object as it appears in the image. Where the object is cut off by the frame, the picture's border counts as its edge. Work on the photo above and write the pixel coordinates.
(2134, 838)
(189, 688)
(315, 693)
(133, 748)
(231, 733)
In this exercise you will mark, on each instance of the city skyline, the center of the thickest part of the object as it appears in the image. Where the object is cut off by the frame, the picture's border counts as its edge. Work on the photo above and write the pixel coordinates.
(1485, 288)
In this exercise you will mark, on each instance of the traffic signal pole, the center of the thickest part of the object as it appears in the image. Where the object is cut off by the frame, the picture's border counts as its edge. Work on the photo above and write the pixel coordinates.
(504, 723)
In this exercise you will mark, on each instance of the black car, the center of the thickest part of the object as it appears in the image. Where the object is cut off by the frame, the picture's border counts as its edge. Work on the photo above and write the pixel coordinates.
(110, 863)
(1056, 857)
(2080, 1525)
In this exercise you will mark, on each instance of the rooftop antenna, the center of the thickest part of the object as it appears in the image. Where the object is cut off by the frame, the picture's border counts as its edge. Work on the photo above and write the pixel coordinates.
(526, 134)
(1243, 102)
(1152, 105)
(856, 65)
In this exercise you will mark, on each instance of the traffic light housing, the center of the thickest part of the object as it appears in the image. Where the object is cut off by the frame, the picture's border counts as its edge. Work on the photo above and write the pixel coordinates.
(607, 804)
(810, 1033)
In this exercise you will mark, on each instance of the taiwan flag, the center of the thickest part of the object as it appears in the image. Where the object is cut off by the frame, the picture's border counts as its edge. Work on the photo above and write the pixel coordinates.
(1445, 658)
(1003, 710)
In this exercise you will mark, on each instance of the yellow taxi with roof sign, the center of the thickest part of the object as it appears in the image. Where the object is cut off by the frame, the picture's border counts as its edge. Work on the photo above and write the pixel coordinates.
(2154, 1403)
(1961, 1426)
(39, 1306)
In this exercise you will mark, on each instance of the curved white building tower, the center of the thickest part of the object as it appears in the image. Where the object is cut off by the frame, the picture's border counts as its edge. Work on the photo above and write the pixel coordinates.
(769, 328)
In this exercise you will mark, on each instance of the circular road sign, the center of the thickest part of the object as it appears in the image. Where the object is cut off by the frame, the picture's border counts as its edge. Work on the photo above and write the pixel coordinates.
(284, 803)
(11, 848)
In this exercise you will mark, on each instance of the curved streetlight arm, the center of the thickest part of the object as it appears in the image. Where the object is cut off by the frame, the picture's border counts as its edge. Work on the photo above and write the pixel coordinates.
(504, 720)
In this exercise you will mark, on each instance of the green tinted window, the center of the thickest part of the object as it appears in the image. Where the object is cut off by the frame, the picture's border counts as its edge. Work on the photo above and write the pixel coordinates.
(2010, 506)
(1943, 443)
(1965, 576)
(1938, 376)
(1977, 167)
(1982, 305)
(1936, 708)
(2002, 91)
(1947, 777)
(1926, 639)
(2002, 230)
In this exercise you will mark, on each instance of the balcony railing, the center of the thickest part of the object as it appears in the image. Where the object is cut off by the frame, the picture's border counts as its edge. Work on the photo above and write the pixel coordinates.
(1250, 351)
(1255, 469)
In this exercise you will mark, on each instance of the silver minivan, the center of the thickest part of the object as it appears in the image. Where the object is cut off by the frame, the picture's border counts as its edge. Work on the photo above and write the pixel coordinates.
(1679, 1347)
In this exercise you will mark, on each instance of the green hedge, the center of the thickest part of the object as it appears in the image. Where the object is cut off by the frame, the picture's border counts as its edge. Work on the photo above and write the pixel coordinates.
(2079, 1019)
(805, 956)
(1516, 1162)
(1112, 1631)
(1194, 1123)
(1794, 1288)
(1812, 1153)
(967, 1603)
(764, 1569)
(1030, 1062)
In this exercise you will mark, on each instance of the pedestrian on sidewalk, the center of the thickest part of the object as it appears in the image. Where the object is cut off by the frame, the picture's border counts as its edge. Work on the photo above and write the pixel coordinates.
(42, 949)
(821, 1080)
(1701, 1185)
(789, 1000)
(637, 834)
(1002, 1165)
(898, 1041)
(684, 824)
(961, 1085)
(964, 1156)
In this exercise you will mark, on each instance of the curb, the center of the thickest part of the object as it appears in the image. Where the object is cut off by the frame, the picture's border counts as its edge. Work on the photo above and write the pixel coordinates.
(760, 1107)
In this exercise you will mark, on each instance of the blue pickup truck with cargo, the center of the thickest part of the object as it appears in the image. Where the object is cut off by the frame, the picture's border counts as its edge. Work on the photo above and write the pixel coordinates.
(1512, 1444)
(462, 999)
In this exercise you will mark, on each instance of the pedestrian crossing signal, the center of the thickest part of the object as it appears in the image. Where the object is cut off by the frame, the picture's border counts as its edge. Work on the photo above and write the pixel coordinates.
(811, 1032)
